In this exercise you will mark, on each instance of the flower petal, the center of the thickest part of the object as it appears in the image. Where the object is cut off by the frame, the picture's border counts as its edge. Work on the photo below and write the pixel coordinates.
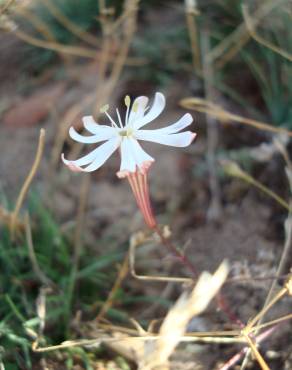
(182, 123)
(154, 111)
(128, 162)
(181, 139)
(139, 106)
(93, 127)
(139, 153)
(96, 158)
(101, 136)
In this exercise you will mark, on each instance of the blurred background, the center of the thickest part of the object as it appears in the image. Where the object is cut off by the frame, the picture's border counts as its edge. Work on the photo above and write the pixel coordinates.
(64, 237)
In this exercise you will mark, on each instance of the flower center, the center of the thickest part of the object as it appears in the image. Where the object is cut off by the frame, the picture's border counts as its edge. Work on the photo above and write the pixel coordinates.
(126, 133)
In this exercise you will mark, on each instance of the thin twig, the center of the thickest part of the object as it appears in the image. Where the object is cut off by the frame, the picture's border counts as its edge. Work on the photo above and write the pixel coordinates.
(272, 322)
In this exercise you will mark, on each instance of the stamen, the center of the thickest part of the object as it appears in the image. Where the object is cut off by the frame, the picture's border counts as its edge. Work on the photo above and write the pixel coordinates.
(104, 108)
(127, 103)
(112, 121)
(119, 118)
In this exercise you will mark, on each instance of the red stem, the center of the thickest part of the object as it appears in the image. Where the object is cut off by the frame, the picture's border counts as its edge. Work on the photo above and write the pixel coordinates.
(174, 251)
(139, 184)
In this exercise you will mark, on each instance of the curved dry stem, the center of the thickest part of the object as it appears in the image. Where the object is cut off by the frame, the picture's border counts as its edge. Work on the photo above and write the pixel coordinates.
(27, 182)
(136, 242)
(205, 106)
(77, 51)
(55, 46)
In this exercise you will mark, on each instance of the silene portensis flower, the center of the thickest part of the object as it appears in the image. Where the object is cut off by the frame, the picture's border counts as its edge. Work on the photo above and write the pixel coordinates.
(125, 136)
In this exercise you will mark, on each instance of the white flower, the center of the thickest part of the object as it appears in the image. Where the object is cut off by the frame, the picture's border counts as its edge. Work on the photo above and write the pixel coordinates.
(126, 136)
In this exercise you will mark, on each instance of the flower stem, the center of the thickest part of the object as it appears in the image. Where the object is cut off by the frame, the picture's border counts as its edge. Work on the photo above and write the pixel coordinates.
(221, 301)
(139, 184)
(175, 252)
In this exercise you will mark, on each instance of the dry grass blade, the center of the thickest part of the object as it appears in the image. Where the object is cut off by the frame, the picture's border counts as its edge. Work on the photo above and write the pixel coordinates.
(233, 169)
(205, 106)
(174, 325)
(27, 182)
